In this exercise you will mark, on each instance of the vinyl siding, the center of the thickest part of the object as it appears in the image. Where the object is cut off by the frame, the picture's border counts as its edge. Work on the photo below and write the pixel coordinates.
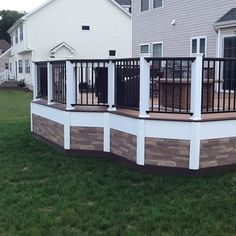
(193, 18)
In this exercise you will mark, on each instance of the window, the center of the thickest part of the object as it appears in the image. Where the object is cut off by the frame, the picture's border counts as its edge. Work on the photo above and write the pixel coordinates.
(112, 53)
(85, 27)
(198, 45)
(21, 33)
(6, 66)
(157, 50)
(157, 3)
(16, 36)
(144, 5)
(27, 66)
(20, 66)
(144, 48)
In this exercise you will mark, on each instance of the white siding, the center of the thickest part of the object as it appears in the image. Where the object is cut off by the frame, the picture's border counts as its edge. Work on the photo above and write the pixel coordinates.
(193, 18)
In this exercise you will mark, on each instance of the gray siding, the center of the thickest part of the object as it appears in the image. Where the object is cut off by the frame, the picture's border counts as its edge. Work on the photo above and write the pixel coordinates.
(193, 18)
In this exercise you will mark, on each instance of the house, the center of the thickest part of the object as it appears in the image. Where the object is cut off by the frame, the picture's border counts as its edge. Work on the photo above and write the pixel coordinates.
(181, 28)
(4, 46)
(77, 29)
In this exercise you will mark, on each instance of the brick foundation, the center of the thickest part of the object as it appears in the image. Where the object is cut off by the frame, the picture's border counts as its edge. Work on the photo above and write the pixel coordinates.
(124, 145)
(49, 130)
(167, 152)
(218, 152)
(87, 138)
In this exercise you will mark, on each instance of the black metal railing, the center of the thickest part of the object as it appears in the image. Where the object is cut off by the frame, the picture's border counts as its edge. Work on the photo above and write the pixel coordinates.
(127, 78)
(59, 81)
(42, 80)
(91, 82)
(170, 84)
(219, 85)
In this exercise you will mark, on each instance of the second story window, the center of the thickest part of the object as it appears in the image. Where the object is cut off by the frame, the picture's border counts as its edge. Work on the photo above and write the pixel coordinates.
(27, 67)
(144, 5)
(20, 66)
(157, 3)
(21, 33)
(16, 36)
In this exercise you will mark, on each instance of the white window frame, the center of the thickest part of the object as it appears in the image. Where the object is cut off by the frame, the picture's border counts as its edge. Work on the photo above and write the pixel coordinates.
(27, 66)
(16, 36)
(144, 44)
(154, 8)
(20, 66)
(198, 38)
(149, 6)
(162, 47)
(21, 32)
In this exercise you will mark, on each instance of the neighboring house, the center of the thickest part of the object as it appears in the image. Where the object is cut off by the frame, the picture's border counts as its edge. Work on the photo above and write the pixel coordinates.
(4, 46)
(181, 28)
(4, 61)
(126, 4)
(75, 29)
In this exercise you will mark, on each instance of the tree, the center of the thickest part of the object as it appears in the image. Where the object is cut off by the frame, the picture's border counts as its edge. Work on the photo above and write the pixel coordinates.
(8, 18)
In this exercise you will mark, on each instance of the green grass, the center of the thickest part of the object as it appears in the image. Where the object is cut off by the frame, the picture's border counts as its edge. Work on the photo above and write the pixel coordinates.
(43, 192)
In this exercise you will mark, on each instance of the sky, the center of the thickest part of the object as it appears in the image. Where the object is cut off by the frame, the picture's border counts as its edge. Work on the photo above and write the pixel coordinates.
(20, 5)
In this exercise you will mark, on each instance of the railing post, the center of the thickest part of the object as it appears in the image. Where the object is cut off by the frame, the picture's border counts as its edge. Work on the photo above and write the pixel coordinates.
(196, 88)
(111, 86)
(35, 81)
(144, 97)
(70, 86)
(50, 84)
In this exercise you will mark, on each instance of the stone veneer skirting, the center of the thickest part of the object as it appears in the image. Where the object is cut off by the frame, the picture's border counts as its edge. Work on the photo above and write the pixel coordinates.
(48, 129)
(124, 145)
(218, 152)
(87, 138)
(167, 152)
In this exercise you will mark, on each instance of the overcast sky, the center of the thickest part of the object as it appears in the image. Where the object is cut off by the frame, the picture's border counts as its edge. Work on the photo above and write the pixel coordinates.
(20, 5)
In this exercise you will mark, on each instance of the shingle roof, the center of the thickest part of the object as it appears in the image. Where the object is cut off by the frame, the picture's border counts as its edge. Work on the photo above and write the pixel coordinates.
(229, 16)
(124, 2)
(4, 45)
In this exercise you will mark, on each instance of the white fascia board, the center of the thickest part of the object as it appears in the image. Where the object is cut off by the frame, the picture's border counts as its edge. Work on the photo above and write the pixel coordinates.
(225, 24)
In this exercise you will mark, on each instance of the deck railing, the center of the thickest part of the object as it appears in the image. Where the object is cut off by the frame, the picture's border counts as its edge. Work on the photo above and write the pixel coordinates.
(170, 85)
(91, 79)
(127, 83)
(184, 85)
(219, 85)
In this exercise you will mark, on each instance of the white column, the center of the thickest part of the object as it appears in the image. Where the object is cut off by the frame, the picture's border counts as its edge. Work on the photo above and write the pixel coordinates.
(144, 98)
(50, 85)
(141, 143)
(111, 86)
(195, 146)
(196, 88)
(107, 133)
(67, 131)
(70, 86)
(35, 81)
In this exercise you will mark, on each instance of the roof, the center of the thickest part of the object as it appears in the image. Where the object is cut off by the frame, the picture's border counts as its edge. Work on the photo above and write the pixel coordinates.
(22, 19)
(229, 16)
(4, 45)
(124, 2)
(63, 44)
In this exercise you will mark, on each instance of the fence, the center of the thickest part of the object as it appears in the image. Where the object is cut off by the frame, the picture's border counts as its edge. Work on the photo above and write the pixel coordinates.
(91, 82)
(170, 84)
(162, 85)
(127, 83)
(219, 85)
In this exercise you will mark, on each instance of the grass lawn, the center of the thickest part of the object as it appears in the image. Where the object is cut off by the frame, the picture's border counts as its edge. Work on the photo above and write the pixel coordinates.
(46, 193)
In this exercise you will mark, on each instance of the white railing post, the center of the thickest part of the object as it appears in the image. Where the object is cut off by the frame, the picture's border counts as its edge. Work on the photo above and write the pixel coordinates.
(50, 85)
(35, 81)
(70, 86)
(111, 86)
(196, 88)
(144, 98)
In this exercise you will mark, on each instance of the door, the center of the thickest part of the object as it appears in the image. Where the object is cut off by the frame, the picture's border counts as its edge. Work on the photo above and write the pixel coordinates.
(230, 66)
(16, 69)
